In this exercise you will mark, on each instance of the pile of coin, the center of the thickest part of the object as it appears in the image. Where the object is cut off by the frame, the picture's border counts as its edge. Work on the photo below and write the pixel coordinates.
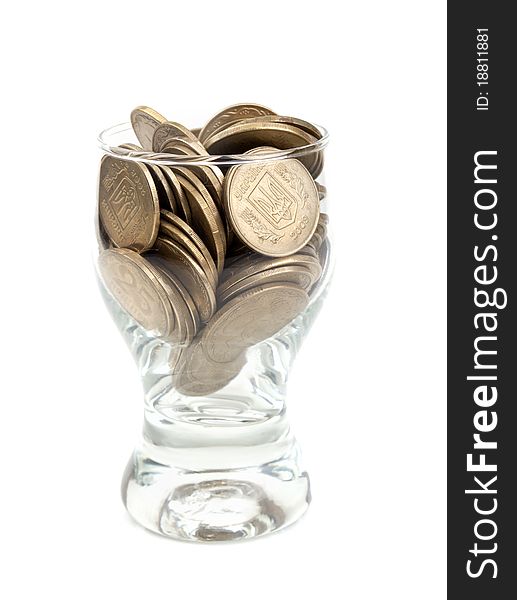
(212, 259)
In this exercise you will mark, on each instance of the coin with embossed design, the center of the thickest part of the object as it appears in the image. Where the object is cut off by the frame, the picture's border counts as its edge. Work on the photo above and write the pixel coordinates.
(133, 282)
(232, 114)
(273, 207)
(128, 203)
(198, 375)
(252, 317)
(167, 130)
(144, 121)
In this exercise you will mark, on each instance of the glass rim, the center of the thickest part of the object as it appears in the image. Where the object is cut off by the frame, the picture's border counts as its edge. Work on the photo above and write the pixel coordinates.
(161, 158)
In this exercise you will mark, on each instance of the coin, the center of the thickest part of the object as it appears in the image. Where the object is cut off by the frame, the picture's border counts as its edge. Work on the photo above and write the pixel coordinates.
(181, 205)
(170, 231)
(145, 120)
(245, 135)
(169, 129)
(314, 160)
(295, 274)
(211, 176)
(174, 186)
(206, 217)
(261, 150)
(324, 218)
(252, 317)
(133, 283)
(212, 200)
(231, 114)
(133, 147)
(166, 197)
(309, 250)
(300, 123)
(322, 191)
(198, 375)
(184, 308)
(181, 264)
(128, 203)
(167, 216)
(102, 237)
(250, 133)
(252, 264)
(273, 207)
(183, 145)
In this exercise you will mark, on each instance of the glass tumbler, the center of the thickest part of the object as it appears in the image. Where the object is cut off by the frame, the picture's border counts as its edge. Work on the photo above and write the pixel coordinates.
(213, 315)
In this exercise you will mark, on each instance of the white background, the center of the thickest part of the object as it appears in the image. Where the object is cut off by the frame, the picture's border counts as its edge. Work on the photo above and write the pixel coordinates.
(367, 395)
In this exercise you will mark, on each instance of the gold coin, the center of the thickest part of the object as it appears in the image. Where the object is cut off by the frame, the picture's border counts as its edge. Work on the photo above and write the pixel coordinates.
(295, 274)
(144, 121)
(273, 207)
(184, 308)
(262, 150)
(232, 114)
(183, 145)
(169, 129)
(133, 283)
(181, 264)
(300, 123)
(166, 197)
(174, 186)
(128, 203)
(181, 205)
(196, 131)
(240, 137)
(252, 264)
(245, 135)
(205, 216)
(170, 231)
(314, 160)
(194, 238)
(103, 240)
(198, 375)
(252, 317)
(211, 176)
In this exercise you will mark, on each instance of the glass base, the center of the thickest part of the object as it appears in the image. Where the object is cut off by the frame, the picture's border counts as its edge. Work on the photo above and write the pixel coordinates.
(211, 505)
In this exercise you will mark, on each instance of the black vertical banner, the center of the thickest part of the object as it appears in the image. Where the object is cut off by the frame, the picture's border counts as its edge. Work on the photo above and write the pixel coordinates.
(482, 298)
